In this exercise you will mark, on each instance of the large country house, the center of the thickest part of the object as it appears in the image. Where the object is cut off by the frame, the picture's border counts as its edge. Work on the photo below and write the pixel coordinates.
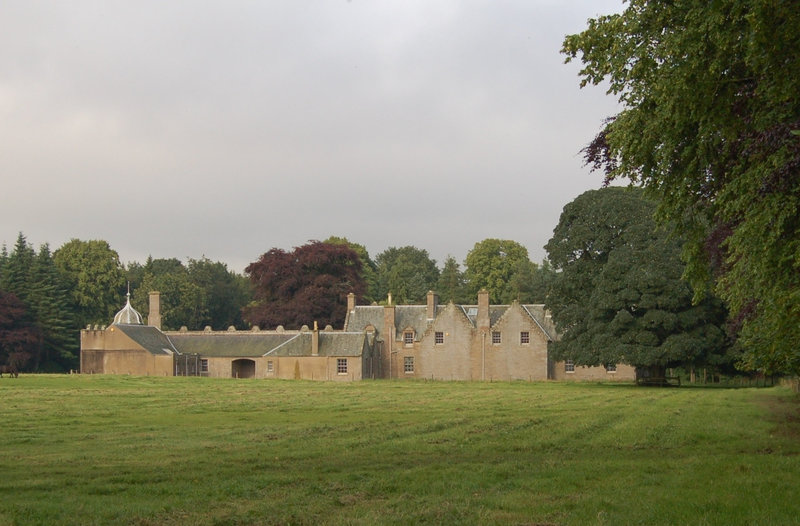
(431, 341)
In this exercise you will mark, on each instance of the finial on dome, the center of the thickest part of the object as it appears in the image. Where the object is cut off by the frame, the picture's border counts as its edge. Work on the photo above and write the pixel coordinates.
(128, 315)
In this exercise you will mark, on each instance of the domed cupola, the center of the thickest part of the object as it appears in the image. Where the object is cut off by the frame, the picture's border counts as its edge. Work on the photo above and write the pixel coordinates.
(128, 315)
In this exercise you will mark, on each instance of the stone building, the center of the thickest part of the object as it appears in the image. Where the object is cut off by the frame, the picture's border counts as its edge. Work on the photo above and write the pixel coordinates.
(128, 346)
(432, 341)
(468, 342)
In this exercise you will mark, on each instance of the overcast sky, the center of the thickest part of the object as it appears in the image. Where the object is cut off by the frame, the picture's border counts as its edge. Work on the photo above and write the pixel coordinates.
(223, 129)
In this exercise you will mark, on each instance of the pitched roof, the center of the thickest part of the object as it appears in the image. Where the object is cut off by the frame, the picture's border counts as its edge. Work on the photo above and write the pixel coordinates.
(543, 320)
(151, 339)
(255, 344)
(330, 344)
(221, 344)
(415, 317)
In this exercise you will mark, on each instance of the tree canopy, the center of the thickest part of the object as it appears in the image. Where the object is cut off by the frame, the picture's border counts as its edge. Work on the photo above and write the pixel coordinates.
(452, 285)
(619, 296)
(20, 338)
(492, 264)
(96, 279)
(408, 273)
(43, 291)
(368, 267)
(308, 284)
(709, 124)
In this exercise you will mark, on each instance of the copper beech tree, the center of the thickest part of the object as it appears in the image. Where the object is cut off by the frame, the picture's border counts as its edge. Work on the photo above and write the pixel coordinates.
(308, 284)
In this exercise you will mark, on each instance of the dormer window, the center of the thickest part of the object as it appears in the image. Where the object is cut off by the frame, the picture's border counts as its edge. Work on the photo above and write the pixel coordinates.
(408, 337)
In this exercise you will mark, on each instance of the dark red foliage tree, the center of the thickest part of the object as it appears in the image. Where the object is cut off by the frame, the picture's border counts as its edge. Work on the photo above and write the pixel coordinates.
(309, 284)
(20, 339)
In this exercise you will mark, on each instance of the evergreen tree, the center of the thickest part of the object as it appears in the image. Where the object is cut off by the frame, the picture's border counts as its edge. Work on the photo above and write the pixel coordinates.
(49, 300)
(408, 273)
(35, 281)
(20, 339)
(619, 296)
(452, 285)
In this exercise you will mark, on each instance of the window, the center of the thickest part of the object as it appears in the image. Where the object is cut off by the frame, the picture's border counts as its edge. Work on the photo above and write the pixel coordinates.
(611, 368)
(524, 337)
(270, 366)
(341, 365)
(203, 366)
(569, 366)
(408, 365)
(439, 337)
(408, 338)
(496, 338)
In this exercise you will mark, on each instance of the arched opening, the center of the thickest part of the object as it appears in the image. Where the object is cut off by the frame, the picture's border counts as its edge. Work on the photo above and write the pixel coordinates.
(243, 368)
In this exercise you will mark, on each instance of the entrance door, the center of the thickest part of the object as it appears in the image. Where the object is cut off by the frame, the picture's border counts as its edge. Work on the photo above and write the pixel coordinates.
(243, 368)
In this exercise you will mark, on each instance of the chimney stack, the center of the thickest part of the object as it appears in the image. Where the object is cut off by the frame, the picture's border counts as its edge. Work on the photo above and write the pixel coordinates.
(351, 302)
(433, 303)
(315, 340)
(483, 310)
(154, 313)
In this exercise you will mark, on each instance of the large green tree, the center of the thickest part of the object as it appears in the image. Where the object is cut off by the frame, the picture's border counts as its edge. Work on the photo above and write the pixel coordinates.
(619, 296)
(452, 286)
(408, 273)
(183, 303)
(492, 264)
(96, 279)
(225, 292)
(709, 122)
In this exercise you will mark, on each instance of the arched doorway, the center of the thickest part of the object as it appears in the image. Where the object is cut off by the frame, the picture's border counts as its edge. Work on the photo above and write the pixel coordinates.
(243, 369)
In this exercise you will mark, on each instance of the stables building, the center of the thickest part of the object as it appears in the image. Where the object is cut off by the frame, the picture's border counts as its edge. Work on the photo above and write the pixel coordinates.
(480, 342)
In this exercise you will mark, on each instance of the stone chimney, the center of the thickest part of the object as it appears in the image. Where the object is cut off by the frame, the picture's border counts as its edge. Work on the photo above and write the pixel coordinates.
(483, 310)
(315, 340)
(351, 302)
(433, 303)
(388, 324)
(154, 313)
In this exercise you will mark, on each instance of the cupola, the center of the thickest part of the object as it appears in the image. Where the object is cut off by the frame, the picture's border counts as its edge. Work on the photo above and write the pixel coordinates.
(128, 315)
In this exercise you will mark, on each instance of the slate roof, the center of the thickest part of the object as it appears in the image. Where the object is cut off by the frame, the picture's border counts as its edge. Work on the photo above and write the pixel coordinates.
(543, 319)
(330, 344)
(233, 344)
(405, 316)
(255, 344)
(362, 316)
(151, 339)
(415, 316)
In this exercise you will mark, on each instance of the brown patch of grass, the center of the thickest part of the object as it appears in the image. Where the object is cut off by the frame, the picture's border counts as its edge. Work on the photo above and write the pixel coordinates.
(784, 412)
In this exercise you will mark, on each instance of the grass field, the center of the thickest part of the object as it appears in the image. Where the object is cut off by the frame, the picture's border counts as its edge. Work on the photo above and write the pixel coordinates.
(128, 450)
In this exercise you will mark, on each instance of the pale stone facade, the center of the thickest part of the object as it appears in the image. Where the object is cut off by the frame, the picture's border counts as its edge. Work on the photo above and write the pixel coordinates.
(130, 347)
(479, 342)
(467, 342)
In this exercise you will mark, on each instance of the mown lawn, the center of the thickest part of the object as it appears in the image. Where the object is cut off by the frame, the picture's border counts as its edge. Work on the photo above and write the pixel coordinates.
(128, 450)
